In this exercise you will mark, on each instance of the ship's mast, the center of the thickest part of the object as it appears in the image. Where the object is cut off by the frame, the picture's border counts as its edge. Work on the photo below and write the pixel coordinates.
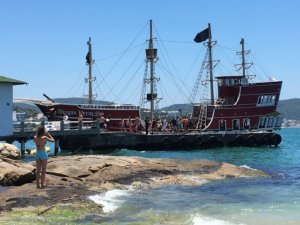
(211, 76)
(243, 58)
(151, 74)
(90, 79)
(244, 65)
(151, 54)
(207, 64)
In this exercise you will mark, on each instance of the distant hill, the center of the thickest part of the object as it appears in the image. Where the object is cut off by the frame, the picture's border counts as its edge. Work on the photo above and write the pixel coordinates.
(31, 109)
(80, 101)
(290, 108)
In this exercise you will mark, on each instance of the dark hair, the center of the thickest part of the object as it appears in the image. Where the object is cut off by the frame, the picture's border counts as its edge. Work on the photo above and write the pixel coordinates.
(40, 131)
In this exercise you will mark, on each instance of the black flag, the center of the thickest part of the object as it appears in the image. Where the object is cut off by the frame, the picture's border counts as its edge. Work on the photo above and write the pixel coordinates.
(202, 36)
(88, 58)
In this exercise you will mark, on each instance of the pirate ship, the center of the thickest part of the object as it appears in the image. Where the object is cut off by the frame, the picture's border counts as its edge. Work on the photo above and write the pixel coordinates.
(242, 113)
(241, 104)
(55, 111)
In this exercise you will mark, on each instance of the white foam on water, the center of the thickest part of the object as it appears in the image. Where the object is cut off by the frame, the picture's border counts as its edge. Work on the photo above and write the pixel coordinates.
(111, 200)
(197, 180)
(205, 220)
(247, 167)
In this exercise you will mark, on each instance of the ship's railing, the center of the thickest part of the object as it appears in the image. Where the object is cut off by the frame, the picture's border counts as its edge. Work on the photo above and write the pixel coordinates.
(23, 127)
(124, 107)
(56, 125)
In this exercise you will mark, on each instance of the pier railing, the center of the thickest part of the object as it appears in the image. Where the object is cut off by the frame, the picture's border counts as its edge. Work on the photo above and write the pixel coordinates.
(24, 131)
(76, 135)
(56, 126)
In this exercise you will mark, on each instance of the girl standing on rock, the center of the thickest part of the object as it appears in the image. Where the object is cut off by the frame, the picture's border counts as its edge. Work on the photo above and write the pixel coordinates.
(41, 155)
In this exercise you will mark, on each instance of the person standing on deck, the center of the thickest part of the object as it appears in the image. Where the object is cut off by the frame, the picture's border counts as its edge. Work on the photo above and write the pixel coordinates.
(147, 125)
(107, 124)
(101, 121)
(164, 125)
(40, 139)
(174, 125)
(137, 124)
(130, 124)
(123, 125)
(65, 117)
(184, 122)
(80, 116)
(80, 120)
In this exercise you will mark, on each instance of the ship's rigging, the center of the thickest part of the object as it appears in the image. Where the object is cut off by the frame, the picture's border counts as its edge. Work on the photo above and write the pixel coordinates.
(151, 59)
(108, 89)
(209, 64)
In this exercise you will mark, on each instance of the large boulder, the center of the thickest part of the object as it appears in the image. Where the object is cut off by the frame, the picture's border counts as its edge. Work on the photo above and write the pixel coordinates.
(14, 172)
(9, 151)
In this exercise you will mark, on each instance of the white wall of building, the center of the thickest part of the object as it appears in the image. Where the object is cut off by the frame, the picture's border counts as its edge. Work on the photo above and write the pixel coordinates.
(6, 109)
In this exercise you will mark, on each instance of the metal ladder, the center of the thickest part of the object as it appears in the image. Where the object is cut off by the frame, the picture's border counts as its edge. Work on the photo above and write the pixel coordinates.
(202, 118)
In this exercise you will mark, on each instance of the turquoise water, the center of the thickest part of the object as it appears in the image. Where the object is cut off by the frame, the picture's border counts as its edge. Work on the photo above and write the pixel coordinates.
(272, 200)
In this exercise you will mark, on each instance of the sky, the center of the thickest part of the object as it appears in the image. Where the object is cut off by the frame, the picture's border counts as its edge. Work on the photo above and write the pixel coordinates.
(44, 43)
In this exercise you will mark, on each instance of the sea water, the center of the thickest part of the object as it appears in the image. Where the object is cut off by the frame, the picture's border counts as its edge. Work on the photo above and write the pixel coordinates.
(264, 200)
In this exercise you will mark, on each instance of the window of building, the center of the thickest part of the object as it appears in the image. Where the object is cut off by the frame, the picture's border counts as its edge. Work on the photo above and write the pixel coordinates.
(222, 125)
(266, 100)
(262, 122)
(236, 124)
(271, 121)
(246, 124)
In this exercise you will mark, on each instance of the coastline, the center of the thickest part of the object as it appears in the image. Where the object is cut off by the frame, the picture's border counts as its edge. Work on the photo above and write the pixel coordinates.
(228, 201)
(72, 179)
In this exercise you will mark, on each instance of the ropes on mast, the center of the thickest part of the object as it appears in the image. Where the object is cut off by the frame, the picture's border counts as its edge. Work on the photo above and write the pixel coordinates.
(143, 92)
(199, 78)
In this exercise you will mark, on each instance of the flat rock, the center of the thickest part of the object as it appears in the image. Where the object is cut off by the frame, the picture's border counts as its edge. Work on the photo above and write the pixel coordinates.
(80, 176)
(125, 170)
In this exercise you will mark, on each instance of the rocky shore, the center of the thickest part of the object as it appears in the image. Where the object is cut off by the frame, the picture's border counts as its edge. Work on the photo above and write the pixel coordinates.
(70, 179)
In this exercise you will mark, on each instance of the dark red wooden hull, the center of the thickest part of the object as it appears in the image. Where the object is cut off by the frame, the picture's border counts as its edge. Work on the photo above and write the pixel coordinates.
(243, 107)
(55, 112)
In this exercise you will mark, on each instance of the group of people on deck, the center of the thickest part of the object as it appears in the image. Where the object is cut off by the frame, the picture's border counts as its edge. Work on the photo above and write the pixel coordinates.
(131, 125)
(157, 125)
(136, 125)
(174, 125)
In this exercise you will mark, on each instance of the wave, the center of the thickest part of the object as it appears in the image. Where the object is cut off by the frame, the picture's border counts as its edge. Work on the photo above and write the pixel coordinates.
(197, 180)
(200, 220)
(112, 199)
(247, 167)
